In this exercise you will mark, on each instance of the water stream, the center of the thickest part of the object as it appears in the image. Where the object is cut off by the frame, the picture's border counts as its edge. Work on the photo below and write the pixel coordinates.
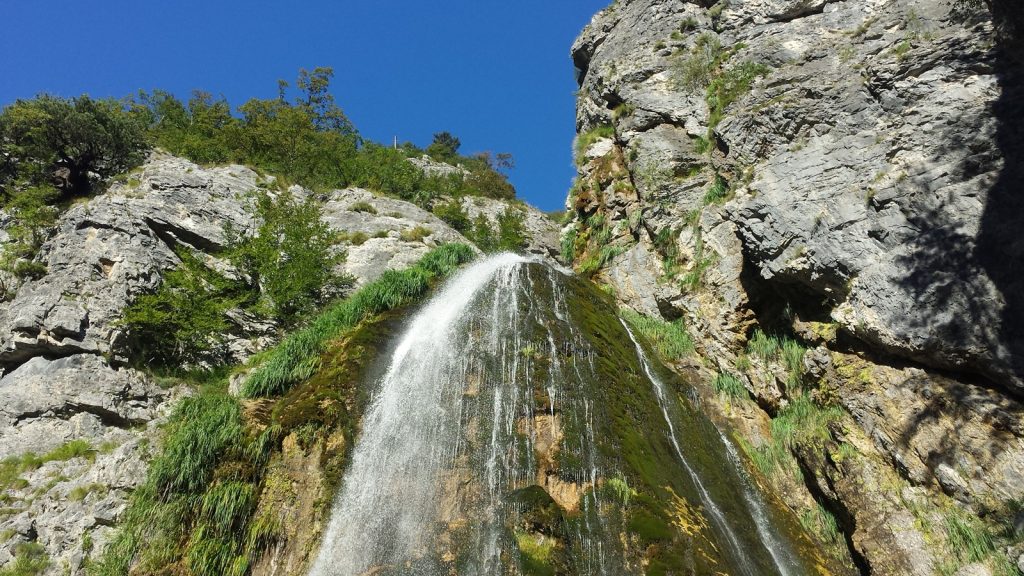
(514, 425)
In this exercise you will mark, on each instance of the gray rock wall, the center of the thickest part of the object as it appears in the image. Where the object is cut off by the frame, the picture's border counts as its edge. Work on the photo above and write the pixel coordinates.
(870, 184)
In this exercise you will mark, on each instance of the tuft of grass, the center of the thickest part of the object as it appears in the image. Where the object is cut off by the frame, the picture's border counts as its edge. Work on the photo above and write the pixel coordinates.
(763, 346)
(729, 385)
(30, 559)
(587, 139)
(81, 492)
(793, 358)
(357, 238)
(620, 490)
(718, 191)
(297, 357)
(802, 422)
(363, 206)
(670, 339)
(416, 234)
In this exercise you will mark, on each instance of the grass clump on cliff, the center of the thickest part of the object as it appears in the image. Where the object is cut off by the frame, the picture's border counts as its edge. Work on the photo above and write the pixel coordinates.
(297, 356)
(30, 559)
(194, 509)
(670, 339)
(587, 139)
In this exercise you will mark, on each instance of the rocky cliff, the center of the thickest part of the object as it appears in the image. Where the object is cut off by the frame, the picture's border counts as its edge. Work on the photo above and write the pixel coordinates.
(841, 176)
(78, 424)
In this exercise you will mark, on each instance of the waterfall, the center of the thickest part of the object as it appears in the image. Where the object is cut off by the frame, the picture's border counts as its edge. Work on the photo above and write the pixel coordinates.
(783, 559)
(492, 440)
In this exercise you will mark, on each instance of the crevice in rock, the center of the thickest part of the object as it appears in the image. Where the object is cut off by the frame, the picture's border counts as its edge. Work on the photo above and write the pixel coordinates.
(846, 521)
(174, 236)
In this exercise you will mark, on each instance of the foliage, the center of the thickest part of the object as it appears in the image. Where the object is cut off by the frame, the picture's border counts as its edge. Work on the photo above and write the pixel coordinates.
(309, 140)
(729, 385)
(694, 71)
(184, 321)
(12, 467)
(363, 206)
(729, 85)
(444, 147)
(670, 339)
(31, 218)
(510, 236)
(291, 257)
(763, 346)
(197, 502)
(65, 142)
(298, 356)
(620, 489)
(415, 234)
(454, 215)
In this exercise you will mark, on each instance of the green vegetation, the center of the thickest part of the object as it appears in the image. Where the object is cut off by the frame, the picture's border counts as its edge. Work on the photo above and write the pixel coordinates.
(822, 523)
(198, 497)
(509, 236)
(13, 467)
(587, 139)
(287, 270)
(670, 339)
(363, 206)
(53, 150)
(454, 215)
(309, 140)
(416, 234)
(729, 85)
(30, 559)
(763, 346)
(729, 385)
(694, 71)
(297, 357)
(69, 144)
(620, 490)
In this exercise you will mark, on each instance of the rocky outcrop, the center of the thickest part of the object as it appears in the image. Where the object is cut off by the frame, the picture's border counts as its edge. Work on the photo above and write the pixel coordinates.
(75, 423)
(845, 172)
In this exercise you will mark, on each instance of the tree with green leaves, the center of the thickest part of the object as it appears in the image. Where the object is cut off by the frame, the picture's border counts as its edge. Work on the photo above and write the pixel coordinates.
(70, 143)
(444, 148)
(291, 257)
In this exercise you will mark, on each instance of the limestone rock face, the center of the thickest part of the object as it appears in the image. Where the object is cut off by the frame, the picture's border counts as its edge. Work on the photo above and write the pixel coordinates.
(848, 172)
(868, 164)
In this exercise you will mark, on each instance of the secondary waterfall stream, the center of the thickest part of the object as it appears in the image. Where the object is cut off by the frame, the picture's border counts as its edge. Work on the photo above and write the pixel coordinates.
(519, 428)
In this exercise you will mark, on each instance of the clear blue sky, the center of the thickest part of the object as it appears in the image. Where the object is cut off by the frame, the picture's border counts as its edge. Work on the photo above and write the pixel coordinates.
(497, 74)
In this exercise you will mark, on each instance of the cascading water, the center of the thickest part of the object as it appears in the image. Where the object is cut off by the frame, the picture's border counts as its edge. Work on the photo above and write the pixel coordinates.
(514, 432)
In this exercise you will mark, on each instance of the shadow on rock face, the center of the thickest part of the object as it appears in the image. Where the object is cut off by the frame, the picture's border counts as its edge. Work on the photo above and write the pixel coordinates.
(999, 248)
(969, 284)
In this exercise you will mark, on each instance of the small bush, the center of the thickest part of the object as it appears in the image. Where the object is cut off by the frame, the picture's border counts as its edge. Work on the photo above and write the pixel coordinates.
(357, 238)
(694, 71)
(30, 559)
(587, 139)
(763, 346)
(454, 215)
